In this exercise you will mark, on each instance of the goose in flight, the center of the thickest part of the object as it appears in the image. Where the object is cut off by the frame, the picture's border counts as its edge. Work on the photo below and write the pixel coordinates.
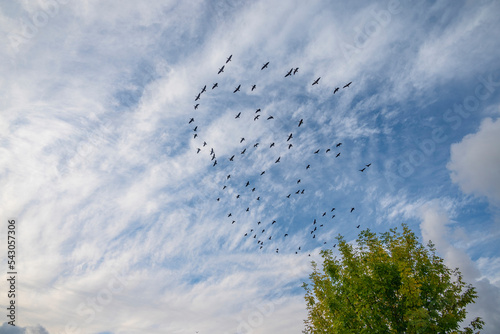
(215, 163)
(347, 85)
(242, 140)
(272, 144)
(277, 160)
(237, 89)
(191, 120)
(256, 117)
(195, 128)
(316, 81)
(253, 87)
(316, 152)
(352, 209)
(256, 144)
(290, 137)
(336, 90)
(221, 70)
(197, 97)
(327, 150)
(231, 159)
(295, 71)
(337, 155)
(308, 166)
(244, 150)
(270, 117)
(362, 170)
(368, 165)
(300, 122)
(264, 66)
(263, 172)
(289, 73)
(248, 183)
(238, 116)
(290, 146)
(196, 106)
(258, 110)
(215, 85)
(204, 143)
(195, 135)
(229, 59)
(199, 149)
(204, 89)
(338, 144)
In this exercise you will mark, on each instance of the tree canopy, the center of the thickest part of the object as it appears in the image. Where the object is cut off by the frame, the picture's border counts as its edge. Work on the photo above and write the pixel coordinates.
(387, 284)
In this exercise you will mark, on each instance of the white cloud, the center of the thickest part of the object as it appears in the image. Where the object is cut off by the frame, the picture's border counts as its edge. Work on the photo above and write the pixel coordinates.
(474, 162)
(435, 227)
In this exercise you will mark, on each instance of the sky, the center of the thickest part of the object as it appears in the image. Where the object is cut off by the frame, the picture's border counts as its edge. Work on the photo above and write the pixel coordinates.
(123, 226)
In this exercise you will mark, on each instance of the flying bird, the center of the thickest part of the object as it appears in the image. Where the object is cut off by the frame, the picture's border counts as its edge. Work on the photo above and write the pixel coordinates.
(324, 214)
(238, 116)
(244, 150)
(195, 135)
(316, 152)
(196, 106)
(199, 149)
(352, 209)
(221, 70)
(338, 144)
(336, 90)
(295, 71)
(204, 89)
(358, 226)
(274, 221)
(237, 89)
(277, 160)
(272, 144)
(258, 110)
(256, 117)
(229, 215)
(290, 137)
(263, 172)
(215, 163)
(228, 177)
(253, 87)
(231, 159)
(290, 146)
(191, 120)
(256, 144)
(368, 165)
(270, 117)
(316, 81)
(195, 128)
(197, 97)
(248, 183)
(289, 73)
(300, 122)
(215, 85)
(308, 166)
(337, 155)
(242, 139)
(238, 196)
(332, 210)
(264, 66)
(229, 59)
(347, 85)
(204, 143)
(327, 150)
(298, 181)
(362, 170)
(288, 196)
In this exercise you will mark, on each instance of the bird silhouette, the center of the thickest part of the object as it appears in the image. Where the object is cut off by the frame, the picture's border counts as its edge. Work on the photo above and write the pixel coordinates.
(218, 199)
(229, 215)
(237, 89)
(336, 90)
(215, 85)
(253, 189)
(352, 209)
(368, 165)
(238, 116)
(295, 71)
(256, 144)
(231, 159)
(300, 122)
(362, 170)
(204, 89)
(347, 85)
(195, 128)
(308, 166)
(338, 144)
(228, 177)
(286, 234)
(238, 196)
(253, 87)
(272, 144)
(197, 97)
(204, 143)
(270, 117)
(298, 181)
(333, 216)
(229, 59)
(196, 106)
(274, 221)
(221, 70)
(195, 135)
(242, 140)
(191, 120)
(263, 172)
(290, 137)
(316, 81)
(215, 163)
(337, 155)
(288, 196)
(332, 210)
(316, 152)
(258, 198)
(264, 66)
(198, 151)
(211, 151)
(290, 146)
(289, 73)
(258, 110)
(244, 150)
(277, 160)
(247, 184)
(327, 150)
(324, 213)
(256, 117)
(358, 226)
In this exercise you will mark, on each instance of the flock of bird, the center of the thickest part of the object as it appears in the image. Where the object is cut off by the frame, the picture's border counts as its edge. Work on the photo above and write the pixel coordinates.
(248, 189)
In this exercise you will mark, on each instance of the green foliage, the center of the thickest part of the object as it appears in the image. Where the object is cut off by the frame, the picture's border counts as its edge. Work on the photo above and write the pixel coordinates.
(387, 284)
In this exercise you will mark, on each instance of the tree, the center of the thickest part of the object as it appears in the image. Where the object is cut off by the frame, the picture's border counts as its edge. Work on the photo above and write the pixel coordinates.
(387, 284)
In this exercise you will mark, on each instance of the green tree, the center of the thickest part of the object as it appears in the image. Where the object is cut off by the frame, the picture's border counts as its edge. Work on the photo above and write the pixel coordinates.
(387, 284)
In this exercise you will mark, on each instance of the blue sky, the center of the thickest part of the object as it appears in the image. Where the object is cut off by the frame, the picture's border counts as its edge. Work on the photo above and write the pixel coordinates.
(120, 230)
